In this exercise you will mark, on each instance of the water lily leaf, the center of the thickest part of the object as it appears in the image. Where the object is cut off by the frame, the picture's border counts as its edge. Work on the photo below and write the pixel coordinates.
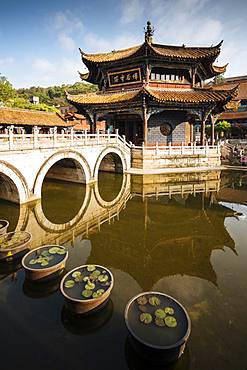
(76, 274)
(79, 279)
(91, 268)
(69, 284)
(53, 250)
(169, 310)
(103, 278)
(44, 263)
(107, 283)
(93, 278)
(159, 321)
(32, 262)
(98, 293)
(61, 251)
(154, 301)
(160, 314)
(89, 285)
(142, 300)
(103, 271)
(170, 321)
(146, 318)
(86, 278)
(96, 273)
(142, 308)
(87, 293)
(45, 253)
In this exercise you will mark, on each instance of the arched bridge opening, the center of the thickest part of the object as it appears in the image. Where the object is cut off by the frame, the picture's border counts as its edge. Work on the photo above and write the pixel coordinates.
(111, 162)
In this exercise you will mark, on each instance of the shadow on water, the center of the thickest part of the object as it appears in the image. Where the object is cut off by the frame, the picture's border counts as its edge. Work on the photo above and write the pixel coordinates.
(61, 201)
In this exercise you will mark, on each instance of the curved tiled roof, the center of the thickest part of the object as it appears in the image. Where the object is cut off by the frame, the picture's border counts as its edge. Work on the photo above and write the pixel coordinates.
(14, 116)
(195, 96)
(191, 96)
(169, 51)
(103, 98)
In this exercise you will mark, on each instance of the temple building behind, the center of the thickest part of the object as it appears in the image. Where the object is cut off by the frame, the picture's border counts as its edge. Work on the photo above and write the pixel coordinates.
(154, 93)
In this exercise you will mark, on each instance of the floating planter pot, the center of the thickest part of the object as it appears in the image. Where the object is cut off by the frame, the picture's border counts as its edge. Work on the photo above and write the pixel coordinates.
(14, 244)
(45, 263)
(158, 326)
(86, 288)
(4, 224)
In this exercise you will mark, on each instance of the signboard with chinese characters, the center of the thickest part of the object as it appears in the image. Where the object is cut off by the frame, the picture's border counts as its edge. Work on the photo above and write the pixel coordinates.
(119, 78)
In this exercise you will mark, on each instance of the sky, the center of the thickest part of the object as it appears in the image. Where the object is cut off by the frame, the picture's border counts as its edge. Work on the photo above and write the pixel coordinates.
(40, 39)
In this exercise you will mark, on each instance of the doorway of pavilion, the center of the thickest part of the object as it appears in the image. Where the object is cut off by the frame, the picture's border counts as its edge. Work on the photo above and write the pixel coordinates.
(131, 126)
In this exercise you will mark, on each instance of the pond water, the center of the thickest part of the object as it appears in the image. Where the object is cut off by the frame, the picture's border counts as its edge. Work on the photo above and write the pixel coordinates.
(180, 236)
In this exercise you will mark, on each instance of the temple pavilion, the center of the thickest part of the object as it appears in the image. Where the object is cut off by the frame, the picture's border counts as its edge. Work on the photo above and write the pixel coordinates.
(154, 93)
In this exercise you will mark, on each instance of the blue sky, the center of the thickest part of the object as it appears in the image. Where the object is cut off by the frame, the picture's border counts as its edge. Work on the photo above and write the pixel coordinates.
(40, 40)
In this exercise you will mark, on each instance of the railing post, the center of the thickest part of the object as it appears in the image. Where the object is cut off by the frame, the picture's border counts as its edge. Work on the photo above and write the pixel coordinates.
(170, 148)
(116, 135)
(11, 138)
(35, 137)
(194, 148)
(108, 135)
(86, 137)
(156, 148)
(206, 149)
(55, 136)
(143, 148)
(97, 136)
(182, 148)
(71, 136)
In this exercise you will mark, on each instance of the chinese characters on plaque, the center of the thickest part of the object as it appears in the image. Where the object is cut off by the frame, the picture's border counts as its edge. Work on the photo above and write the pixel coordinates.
(124, 77)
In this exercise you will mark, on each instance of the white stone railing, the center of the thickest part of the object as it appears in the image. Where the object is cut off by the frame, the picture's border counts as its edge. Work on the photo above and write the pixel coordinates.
(171, 150)
(11, 141)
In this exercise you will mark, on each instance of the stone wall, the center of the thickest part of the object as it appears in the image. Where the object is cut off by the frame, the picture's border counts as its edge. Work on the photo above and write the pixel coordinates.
(180, 128)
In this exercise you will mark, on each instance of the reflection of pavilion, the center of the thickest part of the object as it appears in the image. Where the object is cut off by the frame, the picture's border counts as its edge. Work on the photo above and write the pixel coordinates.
(169, 239)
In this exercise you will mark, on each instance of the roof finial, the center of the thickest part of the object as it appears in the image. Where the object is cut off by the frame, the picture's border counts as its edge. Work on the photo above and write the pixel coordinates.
(149, 31)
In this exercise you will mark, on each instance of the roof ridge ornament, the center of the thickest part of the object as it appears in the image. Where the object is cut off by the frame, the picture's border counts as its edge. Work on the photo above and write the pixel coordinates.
(149, 31)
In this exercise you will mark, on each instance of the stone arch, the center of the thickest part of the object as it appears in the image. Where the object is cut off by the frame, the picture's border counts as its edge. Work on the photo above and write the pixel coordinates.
(60, 228)
(122, 193)
(15, 177)
(106, 151)
(55, 158)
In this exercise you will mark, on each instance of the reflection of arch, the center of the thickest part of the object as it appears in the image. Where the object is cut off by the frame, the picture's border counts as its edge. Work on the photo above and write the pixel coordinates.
(106, 151)
(16, 177)
(23, 217)
(104, 204)
(52, 160)
(52, 227)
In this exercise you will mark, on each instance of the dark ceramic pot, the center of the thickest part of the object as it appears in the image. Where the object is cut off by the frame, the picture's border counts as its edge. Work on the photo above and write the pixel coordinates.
(4, 224)
(47, 273)
(13, 244)
(151, 343)
(82, 305)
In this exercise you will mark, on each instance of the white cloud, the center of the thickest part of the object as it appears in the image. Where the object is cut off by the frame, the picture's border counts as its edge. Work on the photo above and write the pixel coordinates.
(66, 21)
(6, 61)
(42, 64)
(66, 42)
(131, 10)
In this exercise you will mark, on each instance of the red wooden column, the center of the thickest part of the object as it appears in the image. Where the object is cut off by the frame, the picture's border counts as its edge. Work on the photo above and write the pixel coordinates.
(145, 120)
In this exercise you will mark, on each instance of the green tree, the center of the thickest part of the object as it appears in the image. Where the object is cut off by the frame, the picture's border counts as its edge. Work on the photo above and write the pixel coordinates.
(220, 79)
(223, 127)
(6, 90)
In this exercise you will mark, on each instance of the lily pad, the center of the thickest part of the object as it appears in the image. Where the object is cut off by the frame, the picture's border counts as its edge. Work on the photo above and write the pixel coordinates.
(169, 310)
(45, 253)
(154, 301)
(103, 278)
(142, 308)
(142, 300)
(76, 274)
(87, 293)
(32, 262)
(69, 284)
(146, 318)
(86, 278)
(89, 286)
(160, 314)
(91, 268)
(44, 263)
(79, 279)
(61, 251)
(98, 293)
(53, 250)
(170, 321)
(96, 273)
(159, 322)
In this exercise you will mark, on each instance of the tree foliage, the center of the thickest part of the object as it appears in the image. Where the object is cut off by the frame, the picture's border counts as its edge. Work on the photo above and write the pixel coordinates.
(50, 97)
(220, 79)
(222, 126)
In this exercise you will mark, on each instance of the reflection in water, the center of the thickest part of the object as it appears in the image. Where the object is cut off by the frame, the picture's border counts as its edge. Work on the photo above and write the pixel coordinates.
(109, 185)
(57, 198)
(9, 211)
(175, 236)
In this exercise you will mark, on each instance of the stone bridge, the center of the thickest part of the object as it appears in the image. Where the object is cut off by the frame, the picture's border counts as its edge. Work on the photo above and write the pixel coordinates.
(25, 160)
